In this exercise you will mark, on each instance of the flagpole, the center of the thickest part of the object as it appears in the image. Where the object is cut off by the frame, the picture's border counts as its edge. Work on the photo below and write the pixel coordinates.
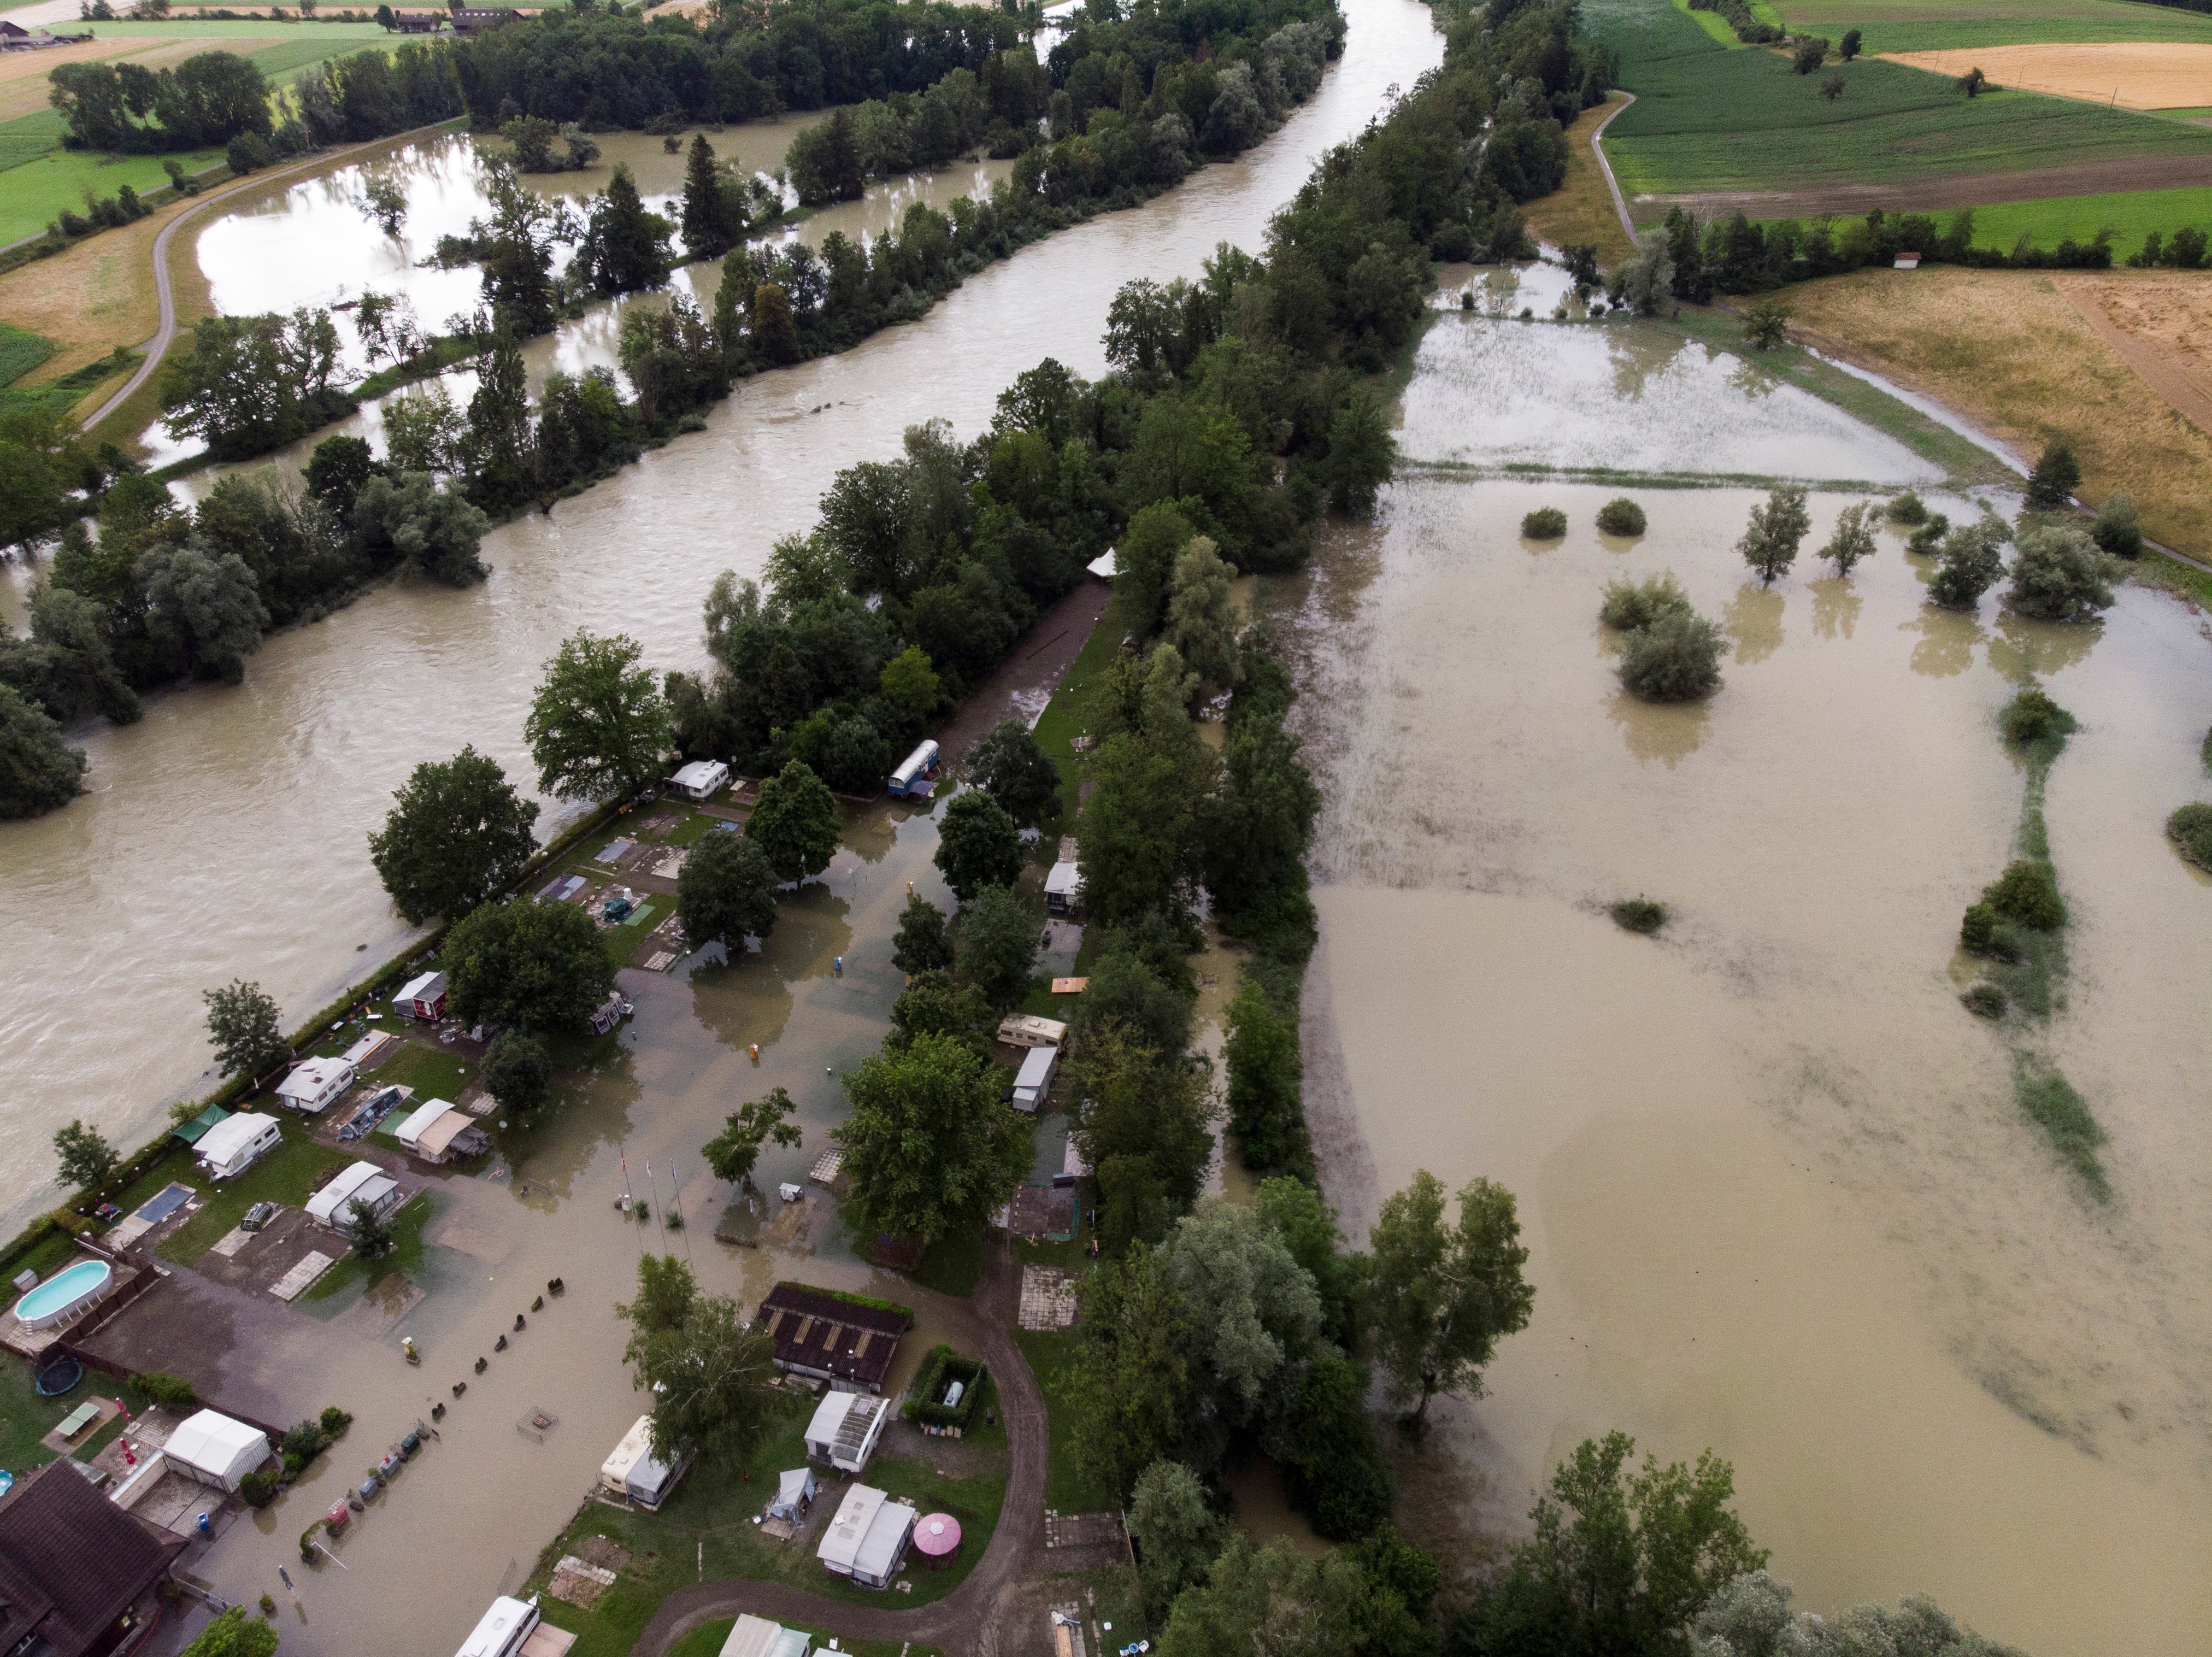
(630, 1201)
(686, 1226)
(659, 1219)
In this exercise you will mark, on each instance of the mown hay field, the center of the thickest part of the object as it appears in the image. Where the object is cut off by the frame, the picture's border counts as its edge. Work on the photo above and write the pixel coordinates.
(2129, 74)
(1710, 120)
(1930, 25)
(2007, 349)
(1581, 210)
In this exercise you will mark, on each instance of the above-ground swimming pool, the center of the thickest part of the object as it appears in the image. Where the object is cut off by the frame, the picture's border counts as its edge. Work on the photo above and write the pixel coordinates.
(63, 1292)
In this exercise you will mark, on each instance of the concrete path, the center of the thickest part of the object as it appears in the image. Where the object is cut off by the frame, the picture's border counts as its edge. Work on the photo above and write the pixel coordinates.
(1613, 184)
(951, 1623)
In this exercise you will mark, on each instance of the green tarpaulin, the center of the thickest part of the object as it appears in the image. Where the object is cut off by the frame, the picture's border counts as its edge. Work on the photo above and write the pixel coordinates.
(192, 1130)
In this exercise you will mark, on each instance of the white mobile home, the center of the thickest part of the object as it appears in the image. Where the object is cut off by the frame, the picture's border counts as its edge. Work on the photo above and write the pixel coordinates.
(237, 1142)
(916, 777)
(504, 1630)
(315, 1084)
(1063, 887)
(701, 779)
(848, 1528)
(439, 1131)
(885, 1545)
(845, 1428)
(756, 1636)
(363, 1182)
(213, 1449)
(634, 1472)
(1034, 1080)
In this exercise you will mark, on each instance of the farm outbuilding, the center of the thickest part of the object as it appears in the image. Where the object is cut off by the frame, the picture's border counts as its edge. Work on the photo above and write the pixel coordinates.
(213, 1449)
(831, 1337)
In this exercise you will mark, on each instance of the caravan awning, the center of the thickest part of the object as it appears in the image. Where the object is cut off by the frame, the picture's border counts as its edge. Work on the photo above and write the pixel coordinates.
(190, 1132)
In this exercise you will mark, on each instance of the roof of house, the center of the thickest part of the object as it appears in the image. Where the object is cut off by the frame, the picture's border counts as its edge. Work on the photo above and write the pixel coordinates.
(227, 1138)
(818, 1332)
(71, 1562)
(427, 987)
(1066, 876)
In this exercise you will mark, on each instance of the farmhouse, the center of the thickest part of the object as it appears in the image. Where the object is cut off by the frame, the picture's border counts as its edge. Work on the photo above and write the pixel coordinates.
(831, 1338)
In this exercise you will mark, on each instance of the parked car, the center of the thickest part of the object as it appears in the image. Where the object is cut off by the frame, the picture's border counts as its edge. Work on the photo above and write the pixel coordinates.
(257, 1216)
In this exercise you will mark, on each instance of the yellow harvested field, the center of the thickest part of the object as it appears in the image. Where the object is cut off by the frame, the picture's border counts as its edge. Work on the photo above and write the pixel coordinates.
(2135, 74)
(2013, 352)
(1581, 210)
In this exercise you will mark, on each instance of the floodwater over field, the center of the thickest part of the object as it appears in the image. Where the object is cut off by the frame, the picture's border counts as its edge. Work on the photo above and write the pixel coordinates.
(224, 833)
(1779, 1198)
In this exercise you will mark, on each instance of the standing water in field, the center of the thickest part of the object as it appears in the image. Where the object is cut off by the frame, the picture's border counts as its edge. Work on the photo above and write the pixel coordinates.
(1779, 1194)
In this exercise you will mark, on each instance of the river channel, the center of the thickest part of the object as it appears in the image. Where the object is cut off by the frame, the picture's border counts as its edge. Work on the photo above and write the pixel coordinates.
(1780, 1199)
(223, 835)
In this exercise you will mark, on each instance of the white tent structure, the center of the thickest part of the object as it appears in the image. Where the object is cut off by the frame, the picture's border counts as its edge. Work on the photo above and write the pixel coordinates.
(215, 1450)
(796, 1490)
(756, 1636)
(845, 1428)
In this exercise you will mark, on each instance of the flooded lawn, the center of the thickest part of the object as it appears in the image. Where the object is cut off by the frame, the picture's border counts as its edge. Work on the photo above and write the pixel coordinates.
(1780, 1197)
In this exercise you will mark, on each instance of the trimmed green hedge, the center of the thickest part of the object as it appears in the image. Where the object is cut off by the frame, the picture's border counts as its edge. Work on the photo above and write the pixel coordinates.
(939, 1371)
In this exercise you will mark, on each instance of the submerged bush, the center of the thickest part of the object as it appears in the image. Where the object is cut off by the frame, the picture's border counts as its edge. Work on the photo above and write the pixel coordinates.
(1675, 659)
(2059, 575)
(1631, 605)
(2032, 715)
(1927, 541)
(1545, 523)
(1620, 517)
(1972, 563)
(1985, 1001)
(2190, 828)
(1640, 914)
(1907, 508)
(2027, 894)
(1977, 931)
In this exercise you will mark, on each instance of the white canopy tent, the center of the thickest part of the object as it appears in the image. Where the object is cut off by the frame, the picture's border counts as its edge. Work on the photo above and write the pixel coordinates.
(215, 1450)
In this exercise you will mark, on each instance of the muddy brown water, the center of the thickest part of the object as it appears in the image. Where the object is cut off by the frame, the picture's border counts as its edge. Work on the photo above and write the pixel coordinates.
(223, 835)
(1779, 1198)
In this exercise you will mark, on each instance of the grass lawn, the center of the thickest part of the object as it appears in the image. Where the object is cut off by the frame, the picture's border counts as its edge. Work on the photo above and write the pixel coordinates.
(1581, 210)
(1931, 25)
(288, 1174)
(20, 351)
(1067, 1489)
(710, 1517)
(431, 1070)
(25, 1417)
(1706, 118)
(1070, 713)
(352, 1273)
(34, 193)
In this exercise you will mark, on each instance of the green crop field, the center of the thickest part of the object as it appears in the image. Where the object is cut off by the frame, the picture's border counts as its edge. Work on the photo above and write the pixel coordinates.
(1707, 119)
(2130, 215)
(1931, 25)
(30, 195)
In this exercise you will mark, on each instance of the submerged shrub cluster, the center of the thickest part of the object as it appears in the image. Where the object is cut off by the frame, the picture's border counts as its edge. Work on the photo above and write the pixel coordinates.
(1620, 517)
(1674, 653)
(2032, 715)
(1639, 914)
(2190, 829)
(1545, 523)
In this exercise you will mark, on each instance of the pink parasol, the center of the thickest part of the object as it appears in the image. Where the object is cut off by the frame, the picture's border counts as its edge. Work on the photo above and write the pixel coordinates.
(937, 1536)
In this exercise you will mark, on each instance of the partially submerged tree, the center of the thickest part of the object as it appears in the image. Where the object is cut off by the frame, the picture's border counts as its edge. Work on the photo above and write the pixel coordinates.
(930, 1149)
(978, 845)
(242, 1024)
(457, 833)
(1677, 658)
(726, 892)
(522, 962)
(1778, 527)
(795, 822)
(37, 770)
(2058, 573)
(1442, 1296)
(1130, 1381)
(2056, 475)
(1853, 539)
(1751, 1617)
(998, 942)
(1010, 766)
(518, 1071)
(732, 1153)
(923, 942)
(711, 1376)
(1973, 558)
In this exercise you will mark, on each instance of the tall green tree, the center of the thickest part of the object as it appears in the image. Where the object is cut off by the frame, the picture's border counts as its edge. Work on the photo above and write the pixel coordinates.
(625, 245)
(937, 1004)
(1271, 1599)
(522, 962)
(2058, 573)
(1130, 1382)
(202, 613)
(1361, 452)
(708, 231)
(1179, 1533)
(242, 1024)
(597, 726)
(1621, 1561)
(733, 1154)
(1778, 527)
(725, 893)
(234, 1634)
(1442, 1296)
(37, 770)
(711, 1376)
(1266, 1111)
(457, 833)
(1010, 766)
(2056, 475)
(1201, 624)
(997, 942)
(411, 522)
(1853, 539)
(795, 822)
(930, 1148)
(1255, 827)
(977, 844)
(86, 1158)
(518, 1071)
(1143, 563)
(1144, 1125)
(922, 943)
(911, 685)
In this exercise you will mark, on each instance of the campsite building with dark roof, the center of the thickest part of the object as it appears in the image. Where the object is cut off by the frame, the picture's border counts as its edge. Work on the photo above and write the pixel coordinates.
(77, 1573)
(829, 1338)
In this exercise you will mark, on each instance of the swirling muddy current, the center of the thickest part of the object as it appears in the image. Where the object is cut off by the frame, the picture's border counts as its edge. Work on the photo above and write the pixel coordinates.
(1781, 1199)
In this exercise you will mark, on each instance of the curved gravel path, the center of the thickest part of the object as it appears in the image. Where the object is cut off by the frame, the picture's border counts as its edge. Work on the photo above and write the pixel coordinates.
(953, 1622)
(1613, 184)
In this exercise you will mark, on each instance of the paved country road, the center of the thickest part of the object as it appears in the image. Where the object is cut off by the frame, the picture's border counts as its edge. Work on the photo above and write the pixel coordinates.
(953, 1622)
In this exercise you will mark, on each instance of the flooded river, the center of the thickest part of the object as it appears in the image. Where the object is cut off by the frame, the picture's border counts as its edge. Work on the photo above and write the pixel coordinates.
(224, 833)
(1780, 1199)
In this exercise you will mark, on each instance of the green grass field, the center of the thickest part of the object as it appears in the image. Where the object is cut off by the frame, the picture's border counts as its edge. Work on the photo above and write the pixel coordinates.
(288, 1174)
(20, 351)
(33, 193)
(2130, 215)
(1931, 25)
(1710, 120)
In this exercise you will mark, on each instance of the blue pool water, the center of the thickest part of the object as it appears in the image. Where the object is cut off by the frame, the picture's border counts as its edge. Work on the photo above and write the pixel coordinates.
(62, 1292)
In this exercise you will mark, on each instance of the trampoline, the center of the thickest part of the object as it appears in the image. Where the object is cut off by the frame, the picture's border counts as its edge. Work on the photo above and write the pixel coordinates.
(59, 1373)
